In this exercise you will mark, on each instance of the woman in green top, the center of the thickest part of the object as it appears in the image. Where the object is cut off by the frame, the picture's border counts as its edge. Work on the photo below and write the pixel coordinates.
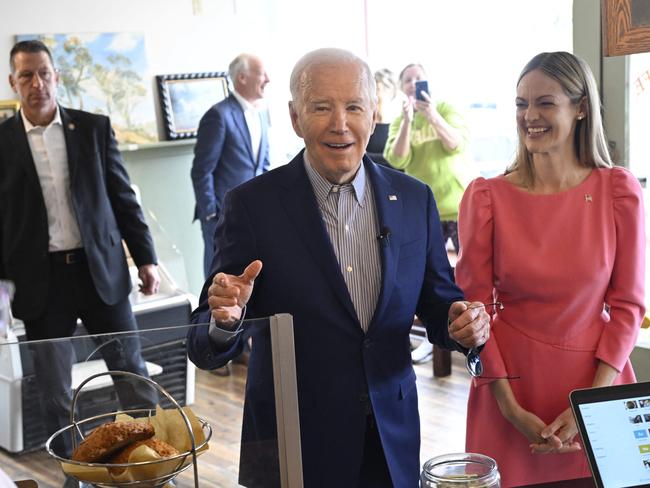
(428, 141)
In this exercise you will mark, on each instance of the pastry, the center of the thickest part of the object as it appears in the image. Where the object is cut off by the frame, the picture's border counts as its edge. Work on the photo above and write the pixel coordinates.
(109, 438)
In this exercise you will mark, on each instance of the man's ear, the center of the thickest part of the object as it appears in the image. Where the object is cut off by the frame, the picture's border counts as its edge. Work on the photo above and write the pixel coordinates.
(12, 83)
(375, 119)
(294, 119)
(241, 77)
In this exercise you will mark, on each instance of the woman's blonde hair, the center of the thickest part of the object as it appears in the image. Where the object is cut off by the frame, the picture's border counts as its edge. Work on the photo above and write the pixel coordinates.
(576, 79)
(384, 77)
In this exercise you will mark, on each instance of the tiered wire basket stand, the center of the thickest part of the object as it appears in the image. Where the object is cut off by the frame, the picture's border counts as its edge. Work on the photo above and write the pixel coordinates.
(75, 431)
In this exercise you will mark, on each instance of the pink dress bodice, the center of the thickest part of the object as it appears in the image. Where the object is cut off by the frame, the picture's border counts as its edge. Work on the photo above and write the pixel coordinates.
(569, 270)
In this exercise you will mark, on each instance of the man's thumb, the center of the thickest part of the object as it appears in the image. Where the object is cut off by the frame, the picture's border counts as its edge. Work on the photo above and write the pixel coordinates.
(252, 271)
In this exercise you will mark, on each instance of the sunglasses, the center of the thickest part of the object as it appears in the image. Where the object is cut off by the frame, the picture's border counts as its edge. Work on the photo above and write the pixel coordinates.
(473, 358)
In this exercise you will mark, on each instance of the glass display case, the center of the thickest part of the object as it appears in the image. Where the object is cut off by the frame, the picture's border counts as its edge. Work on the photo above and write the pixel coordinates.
(217, 401)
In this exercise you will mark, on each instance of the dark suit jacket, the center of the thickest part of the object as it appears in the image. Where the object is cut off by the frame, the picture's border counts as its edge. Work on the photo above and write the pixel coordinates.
(223, 156)
(104, 203)
(275, 218)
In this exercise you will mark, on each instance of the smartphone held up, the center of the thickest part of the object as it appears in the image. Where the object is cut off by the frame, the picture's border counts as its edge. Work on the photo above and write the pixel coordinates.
(421, 86)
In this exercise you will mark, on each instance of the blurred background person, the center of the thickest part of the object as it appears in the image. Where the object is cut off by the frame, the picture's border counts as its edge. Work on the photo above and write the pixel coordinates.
(231, 146)
(386, 112)
(428, 140)
(387, 96)
(559, 239)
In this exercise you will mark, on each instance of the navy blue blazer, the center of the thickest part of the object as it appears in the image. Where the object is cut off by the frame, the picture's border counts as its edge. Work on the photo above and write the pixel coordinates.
(105, 206)
(223, 155)
(275, 218)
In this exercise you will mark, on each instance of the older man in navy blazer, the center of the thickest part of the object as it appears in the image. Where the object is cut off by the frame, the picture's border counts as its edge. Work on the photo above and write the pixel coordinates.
(232, 145)
(352, 250)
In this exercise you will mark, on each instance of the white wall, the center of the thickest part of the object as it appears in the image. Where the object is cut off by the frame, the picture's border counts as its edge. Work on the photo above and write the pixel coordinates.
(177, 41)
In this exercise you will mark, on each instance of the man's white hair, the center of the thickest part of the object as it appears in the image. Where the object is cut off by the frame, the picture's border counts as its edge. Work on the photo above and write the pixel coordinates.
(328, 55)
(238, 65)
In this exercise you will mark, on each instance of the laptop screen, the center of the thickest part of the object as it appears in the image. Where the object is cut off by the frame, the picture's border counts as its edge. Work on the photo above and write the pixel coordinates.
(614, 423)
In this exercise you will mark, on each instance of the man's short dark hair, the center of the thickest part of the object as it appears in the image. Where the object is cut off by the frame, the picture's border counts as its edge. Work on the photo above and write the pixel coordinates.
(32, 46)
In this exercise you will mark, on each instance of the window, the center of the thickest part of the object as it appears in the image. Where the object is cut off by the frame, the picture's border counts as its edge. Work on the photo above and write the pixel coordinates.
(639, 150)
(638, 110)
(473, 57)
(472, 51)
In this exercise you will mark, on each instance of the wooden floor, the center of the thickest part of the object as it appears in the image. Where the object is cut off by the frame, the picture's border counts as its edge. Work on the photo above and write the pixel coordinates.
(219, 400)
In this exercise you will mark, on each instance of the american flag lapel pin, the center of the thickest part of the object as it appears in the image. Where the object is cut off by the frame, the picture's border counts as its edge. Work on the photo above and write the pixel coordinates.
(392, 198)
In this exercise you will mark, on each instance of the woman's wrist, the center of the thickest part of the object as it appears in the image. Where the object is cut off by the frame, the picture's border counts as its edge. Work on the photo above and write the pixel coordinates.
(511, 411)
(508, 405)
(437, 121)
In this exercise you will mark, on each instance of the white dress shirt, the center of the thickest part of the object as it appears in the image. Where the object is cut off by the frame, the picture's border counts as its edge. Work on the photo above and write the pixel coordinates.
(47, 145)
(254, 123)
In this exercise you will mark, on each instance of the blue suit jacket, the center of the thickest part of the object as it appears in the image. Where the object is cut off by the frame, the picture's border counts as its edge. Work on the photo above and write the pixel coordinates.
(276, 218)
(223, 156)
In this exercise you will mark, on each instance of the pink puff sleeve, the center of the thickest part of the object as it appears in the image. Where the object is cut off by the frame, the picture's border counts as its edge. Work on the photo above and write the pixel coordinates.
(626, 293)
(474, 272)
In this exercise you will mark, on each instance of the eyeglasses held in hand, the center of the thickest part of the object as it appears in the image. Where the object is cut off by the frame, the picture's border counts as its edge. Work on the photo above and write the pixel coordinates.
(473, 358)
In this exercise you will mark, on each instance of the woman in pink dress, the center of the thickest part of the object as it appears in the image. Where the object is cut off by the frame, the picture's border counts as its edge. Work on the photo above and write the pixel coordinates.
(559, 240)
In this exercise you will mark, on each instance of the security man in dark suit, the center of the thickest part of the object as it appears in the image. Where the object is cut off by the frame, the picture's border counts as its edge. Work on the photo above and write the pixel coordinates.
(65, 205)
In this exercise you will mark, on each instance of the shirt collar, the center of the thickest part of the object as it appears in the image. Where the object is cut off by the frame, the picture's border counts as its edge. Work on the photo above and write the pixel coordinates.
(30, 127)
(245, 104)
(322, 187)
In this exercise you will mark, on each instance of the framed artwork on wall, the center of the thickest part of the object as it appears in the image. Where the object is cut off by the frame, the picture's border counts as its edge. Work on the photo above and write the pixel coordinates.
(184, 98)
(8, 108)
(625, 27)
(105, 73)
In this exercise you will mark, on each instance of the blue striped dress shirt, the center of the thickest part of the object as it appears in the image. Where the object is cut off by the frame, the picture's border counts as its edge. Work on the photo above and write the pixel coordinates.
(350, 217)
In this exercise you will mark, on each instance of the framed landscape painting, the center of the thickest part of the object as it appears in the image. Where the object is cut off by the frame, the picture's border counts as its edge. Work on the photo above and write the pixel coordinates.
(105, 73)
(184, 98)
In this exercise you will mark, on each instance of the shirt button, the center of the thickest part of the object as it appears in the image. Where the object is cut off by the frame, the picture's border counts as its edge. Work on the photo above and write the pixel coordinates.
(349, 268)
(347, 227)
(366, 343)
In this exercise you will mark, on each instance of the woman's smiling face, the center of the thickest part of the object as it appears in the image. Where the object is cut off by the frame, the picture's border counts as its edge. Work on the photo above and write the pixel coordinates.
(546, 116)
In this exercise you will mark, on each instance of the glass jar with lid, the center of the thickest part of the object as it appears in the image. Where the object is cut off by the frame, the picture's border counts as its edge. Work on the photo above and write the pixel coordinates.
(462, 470)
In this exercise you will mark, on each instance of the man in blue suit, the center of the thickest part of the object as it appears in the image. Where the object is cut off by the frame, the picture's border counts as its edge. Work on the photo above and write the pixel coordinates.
(232, 145)
(352, 250)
